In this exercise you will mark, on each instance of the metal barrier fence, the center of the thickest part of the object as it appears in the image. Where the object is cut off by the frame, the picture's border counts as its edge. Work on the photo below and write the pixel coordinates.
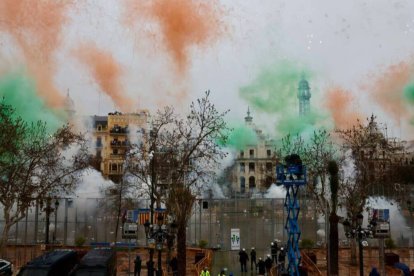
(260, 221)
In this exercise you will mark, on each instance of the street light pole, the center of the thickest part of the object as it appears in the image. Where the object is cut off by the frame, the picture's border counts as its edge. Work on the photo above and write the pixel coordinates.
(160, 234)
(361, 252)
(360, 234)
(47, 211)
(54, 231)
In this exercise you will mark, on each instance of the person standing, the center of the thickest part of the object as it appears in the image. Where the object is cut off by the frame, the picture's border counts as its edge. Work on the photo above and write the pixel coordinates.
(137, 266)
(150, 268)
(243, 258)
(273, 251)
(261, 266)
(374, 272)
(174, 266)
(205, 272)
(223, 272)
(268, 264)
(253, 258)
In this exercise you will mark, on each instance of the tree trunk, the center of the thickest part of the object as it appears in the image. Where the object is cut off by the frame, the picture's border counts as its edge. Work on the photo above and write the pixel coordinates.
(353, 252)
(119, 208)
(333, 244)
(182, 249)
(5, 233)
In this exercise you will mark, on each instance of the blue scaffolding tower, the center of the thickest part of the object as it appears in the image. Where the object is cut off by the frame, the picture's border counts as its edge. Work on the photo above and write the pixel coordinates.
(292, 175)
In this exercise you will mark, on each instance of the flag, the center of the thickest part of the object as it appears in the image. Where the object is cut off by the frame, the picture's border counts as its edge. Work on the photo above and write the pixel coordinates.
(145, 215)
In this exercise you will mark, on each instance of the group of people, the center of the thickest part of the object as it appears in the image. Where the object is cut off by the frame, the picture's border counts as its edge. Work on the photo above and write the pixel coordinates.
(151, 269)
(277, 257)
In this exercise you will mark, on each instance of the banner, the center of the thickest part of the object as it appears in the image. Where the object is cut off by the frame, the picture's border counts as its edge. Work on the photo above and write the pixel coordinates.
(235, 238)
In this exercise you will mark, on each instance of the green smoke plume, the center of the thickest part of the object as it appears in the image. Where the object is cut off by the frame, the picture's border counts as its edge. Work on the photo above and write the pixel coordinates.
(274, 91)
(409, 92)
(239, 136)
(18, 90)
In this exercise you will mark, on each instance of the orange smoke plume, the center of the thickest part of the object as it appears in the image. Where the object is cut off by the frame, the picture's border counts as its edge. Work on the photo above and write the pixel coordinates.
(35, 26)
(339, 102)
(183, 24)
(107, 73)
(387, 89)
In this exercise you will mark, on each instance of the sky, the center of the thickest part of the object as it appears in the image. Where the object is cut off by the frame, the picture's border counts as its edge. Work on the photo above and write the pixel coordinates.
(358, 57)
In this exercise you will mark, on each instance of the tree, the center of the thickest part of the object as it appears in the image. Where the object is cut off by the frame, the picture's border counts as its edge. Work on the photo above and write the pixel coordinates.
(316, 153)
(177, 157)
(34, 166)
(333, 218)
(370, 153)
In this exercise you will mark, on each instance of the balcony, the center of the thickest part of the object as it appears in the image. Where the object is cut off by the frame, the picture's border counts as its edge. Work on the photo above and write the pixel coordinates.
(101, 129)
(120, 155)
(120, 144)
(117, 130)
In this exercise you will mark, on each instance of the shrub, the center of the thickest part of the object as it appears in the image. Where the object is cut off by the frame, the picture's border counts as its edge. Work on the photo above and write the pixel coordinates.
(202, 243)
(79, 241)
(307, 244)
(389, 243)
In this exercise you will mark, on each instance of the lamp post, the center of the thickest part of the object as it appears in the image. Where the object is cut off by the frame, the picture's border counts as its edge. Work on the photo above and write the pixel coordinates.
(159, 234)
(48, 209)
(56, 209)
(360, 234)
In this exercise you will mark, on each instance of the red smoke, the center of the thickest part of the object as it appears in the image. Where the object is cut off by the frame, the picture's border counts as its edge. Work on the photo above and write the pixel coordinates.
(107, 73)
(339, 102)
(35, 26)
(183, 24)
(387, 88)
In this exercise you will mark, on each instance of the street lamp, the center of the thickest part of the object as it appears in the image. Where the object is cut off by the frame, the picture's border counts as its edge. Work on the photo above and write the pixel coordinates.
(56, 209)
(360, 234)
(158, 234)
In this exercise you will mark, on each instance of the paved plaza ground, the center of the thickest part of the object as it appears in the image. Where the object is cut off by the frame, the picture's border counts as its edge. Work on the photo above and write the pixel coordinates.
(20, 255)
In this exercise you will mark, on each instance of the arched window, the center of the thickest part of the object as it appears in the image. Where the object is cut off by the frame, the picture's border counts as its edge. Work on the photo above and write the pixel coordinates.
(242, 184)
(252, 182)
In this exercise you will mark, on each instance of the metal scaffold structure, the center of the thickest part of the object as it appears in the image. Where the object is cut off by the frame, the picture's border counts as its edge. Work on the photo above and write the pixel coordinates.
(292, 175)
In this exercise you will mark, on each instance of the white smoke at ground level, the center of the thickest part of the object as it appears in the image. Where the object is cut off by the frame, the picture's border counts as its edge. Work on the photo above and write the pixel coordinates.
(400, 231)
(275, 191)
(92, 184)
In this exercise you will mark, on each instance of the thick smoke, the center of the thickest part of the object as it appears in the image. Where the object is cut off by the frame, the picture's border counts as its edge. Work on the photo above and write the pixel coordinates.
(36, 29)
(106, 72)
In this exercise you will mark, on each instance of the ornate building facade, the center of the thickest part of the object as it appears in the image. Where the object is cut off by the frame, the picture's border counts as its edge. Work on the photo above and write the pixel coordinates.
(112, 139)
(255, 165)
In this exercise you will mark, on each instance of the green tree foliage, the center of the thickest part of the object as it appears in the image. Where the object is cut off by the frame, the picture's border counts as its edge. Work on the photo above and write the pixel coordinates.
(34, 164)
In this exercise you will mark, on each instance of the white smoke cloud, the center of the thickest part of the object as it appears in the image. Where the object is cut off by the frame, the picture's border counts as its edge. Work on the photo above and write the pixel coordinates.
(275, 191)
(399, 227)
(92, 184)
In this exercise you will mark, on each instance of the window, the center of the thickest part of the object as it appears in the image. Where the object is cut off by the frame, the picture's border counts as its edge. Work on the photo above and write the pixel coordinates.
(99, 127)
(99, 141)
(269, 167)
(115, 151)
(252, 153)
(114, 167)
(241, 154)
(251, 167)
(252, 182)
(98, 154)
(242, 185)
(269, 153)
(242, 167)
